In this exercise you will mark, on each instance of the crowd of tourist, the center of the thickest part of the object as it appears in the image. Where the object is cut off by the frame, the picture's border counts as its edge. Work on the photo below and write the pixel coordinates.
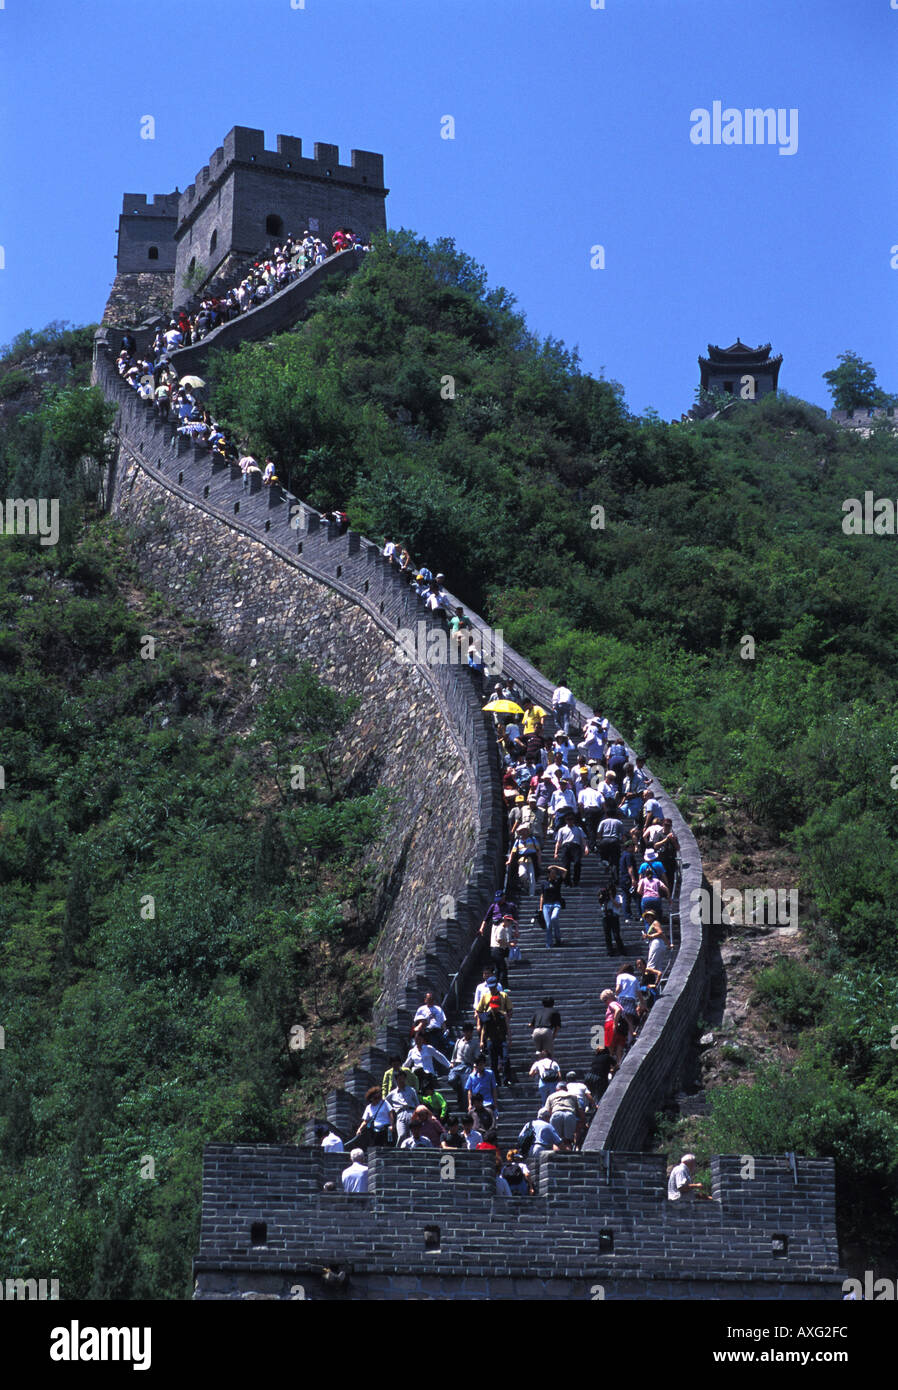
(431, 588)
(570, 792)
(155, 379)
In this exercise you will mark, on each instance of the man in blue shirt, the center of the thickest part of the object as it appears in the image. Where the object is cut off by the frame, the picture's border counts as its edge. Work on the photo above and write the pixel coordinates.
(481, 1082)
(545, 1137)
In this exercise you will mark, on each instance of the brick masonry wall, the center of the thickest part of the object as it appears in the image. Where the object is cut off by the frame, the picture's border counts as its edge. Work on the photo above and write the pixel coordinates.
(364, 1287)
(264, 598)
(598, 1220)
(296, 200)
(137, 234)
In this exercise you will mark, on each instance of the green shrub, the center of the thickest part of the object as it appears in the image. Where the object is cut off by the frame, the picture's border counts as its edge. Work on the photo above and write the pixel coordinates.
(794, 993)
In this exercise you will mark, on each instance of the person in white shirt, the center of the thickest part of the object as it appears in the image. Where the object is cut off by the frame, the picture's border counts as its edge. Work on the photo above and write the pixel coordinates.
(421, 1057)
(402, 1100)
(432, 1017)
(436, 598)
(563, 801)
(680, 1184)
(415, 1139)
(570, 847)
(563, 706)
(548, 1074)
(578, 1088)
(659, 951)
(608, 790)
(484, 988)
(473, 1137)
(553, 774)
(377, 1118)
(593, 745)
(355, 1177)
(248, 465)
(592, 809)
(629, 995)
(330, 1142)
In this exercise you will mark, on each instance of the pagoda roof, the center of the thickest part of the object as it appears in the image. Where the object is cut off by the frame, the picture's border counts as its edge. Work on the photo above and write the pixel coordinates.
(738, 353)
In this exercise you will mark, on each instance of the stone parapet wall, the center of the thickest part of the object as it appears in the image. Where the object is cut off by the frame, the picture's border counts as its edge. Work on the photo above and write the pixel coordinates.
(597, 1219)
(270, 587)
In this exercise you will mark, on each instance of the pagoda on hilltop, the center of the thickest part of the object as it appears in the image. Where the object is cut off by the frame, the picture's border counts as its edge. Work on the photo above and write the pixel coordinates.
(741, 371)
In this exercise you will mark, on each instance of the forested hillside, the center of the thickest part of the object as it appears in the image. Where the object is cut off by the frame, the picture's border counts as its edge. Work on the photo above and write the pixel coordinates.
(171, 904)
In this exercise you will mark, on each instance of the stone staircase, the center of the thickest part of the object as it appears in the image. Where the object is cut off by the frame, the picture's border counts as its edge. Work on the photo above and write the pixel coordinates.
(574, 974)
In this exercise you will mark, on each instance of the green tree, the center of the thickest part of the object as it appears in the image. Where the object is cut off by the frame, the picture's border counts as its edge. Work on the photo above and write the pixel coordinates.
(301, 720)
(853, 383)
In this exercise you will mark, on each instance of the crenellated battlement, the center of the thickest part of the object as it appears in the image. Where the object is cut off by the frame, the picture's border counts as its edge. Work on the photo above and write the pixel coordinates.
(146, 233)
(244, 145)
(433, 1216)
(160, 205)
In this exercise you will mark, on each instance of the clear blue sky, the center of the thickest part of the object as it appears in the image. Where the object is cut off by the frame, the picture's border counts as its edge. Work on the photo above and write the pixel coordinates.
(572, 130)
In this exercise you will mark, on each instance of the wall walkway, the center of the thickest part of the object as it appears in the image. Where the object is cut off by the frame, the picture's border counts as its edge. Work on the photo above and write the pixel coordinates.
(424, 945)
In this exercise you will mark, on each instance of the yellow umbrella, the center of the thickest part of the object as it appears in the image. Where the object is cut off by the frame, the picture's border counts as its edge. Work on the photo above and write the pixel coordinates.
(195, 381)
(502, 707)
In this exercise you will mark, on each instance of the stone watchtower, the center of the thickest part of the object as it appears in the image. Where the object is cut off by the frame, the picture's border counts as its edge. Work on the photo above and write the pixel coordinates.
(145, 259)
(248, 198)
(245, 200)
(146, 233)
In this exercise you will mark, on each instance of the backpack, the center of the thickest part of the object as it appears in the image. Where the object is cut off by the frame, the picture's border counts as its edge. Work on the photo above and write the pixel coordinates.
(513, 1175)
(525, 1143)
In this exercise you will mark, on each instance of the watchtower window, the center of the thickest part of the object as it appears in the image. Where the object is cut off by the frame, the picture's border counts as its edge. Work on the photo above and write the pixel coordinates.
(192, 267)
(274, 225)
(213, 241)
(153, 253)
